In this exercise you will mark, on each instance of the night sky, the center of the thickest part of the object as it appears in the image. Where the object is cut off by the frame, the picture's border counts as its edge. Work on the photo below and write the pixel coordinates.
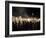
(26, 11)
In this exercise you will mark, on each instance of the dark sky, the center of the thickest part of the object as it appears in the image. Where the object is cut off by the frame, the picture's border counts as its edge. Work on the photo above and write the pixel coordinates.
(25, 11)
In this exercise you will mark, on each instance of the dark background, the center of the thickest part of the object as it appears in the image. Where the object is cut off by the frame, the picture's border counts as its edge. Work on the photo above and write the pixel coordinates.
(26, 11)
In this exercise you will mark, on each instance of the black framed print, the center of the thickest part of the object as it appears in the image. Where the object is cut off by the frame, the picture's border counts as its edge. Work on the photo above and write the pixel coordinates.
(24, 18)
